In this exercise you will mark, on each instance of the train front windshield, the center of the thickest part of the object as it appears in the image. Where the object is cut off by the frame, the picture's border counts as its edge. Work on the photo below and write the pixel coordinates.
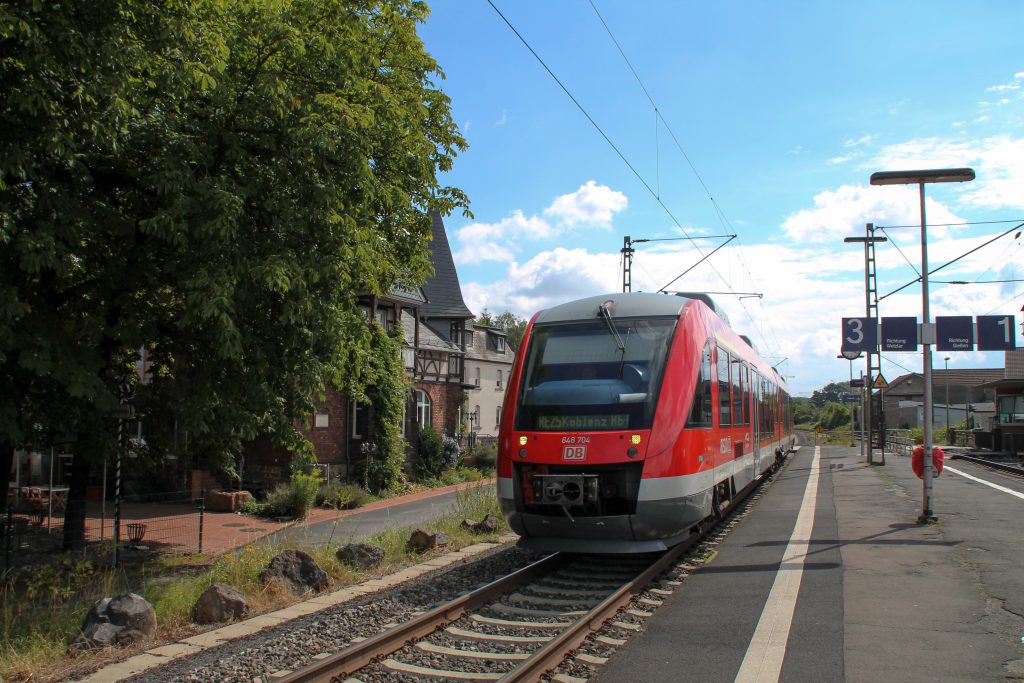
(593, 375)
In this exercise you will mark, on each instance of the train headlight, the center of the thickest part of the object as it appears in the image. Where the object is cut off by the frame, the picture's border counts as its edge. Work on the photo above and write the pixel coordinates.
(635, 439)
(522, 441)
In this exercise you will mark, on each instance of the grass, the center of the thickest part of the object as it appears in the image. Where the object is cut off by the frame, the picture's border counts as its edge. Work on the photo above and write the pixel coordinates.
(42, 610)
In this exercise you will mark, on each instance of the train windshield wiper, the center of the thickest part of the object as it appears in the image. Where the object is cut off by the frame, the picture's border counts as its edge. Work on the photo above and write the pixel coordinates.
(606, 313)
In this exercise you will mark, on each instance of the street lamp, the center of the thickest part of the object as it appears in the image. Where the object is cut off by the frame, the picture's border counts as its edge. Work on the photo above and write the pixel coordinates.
(949, 431)
(850, 356)
(921, 178)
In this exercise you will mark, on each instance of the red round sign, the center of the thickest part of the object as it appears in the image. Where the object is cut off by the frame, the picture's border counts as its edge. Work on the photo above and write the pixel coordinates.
(917, 461)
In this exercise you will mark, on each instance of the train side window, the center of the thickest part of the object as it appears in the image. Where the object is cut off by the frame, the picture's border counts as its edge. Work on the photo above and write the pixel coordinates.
(701, 407)
(746, 395)
(737, 391)
(724, 399)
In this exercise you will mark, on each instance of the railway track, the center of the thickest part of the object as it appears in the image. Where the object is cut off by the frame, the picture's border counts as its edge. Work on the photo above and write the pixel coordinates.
(1000, 466)
(522, 626)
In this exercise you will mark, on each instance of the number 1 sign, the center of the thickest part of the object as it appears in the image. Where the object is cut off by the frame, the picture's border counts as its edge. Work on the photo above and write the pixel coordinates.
(996, 333)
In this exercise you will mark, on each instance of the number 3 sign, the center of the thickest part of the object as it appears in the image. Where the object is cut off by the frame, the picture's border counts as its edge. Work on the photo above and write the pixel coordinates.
(860, 334)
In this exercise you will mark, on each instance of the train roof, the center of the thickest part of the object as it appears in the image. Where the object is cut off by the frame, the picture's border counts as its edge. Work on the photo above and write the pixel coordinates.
(624, 305)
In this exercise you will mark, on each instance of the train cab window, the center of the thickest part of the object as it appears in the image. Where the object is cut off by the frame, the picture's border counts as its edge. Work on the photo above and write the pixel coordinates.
(724, 397)
(585, 375)
(701, 407)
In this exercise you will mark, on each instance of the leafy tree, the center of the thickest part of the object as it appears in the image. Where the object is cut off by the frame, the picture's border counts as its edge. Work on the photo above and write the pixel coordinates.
(830, 393)
(835, 415)
(513, 325)
(212, 181)
(805, 412)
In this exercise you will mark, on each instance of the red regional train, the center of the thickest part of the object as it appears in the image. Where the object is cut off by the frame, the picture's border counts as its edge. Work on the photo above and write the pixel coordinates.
(629, 418)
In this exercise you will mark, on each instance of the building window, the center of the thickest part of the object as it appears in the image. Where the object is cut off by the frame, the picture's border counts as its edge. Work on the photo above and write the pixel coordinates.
(477, 375)
(469, 340)
(499, 342)
(322, 420)
(497, 416)
(422, 408)
(499, 378)
(359, 415)
(454, 365)
(474, 419)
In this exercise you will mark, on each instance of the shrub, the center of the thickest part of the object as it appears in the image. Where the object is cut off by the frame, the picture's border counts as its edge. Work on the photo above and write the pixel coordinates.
(294, 499)
(431, 454)
(342, 496)
(486, 457)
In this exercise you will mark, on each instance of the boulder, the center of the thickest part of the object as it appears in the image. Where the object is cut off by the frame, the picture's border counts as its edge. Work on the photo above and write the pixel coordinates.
(220, 602)
(119, 620)
(422, 541)
(488, 525)
(298, 570)
(361, 555)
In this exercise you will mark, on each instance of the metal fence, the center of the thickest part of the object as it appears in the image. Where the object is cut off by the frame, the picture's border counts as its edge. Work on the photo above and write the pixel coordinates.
(32, 530)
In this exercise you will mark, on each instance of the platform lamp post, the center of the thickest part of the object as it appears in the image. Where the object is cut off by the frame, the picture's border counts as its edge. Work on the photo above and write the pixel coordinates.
(850, 356)
(922, 178)
(949, 431)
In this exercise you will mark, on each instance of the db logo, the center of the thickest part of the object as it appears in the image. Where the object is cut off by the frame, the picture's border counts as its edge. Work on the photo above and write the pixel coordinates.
(574, 453)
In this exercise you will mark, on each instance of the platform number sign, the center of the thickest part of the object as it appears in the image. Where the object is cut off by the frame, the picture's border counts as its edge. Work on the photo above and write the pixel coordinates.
(860, 334)
(996, 333)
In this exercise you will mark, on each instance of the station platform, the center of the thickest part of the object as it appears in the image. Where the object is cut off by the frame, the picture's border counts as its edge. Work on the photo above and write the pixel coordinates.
(830, 578)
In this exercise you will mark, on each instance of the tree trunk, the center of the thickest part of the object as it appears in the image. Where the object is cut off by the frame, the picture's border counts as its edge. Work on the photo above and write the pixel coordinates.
(74, 515)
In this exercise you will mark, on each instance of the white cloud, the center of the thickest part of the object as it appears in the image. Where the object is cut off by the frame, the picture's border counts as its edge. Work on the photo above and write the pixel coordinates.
(810, 288)
(480, 242)
(858, 142)
(1002, 88)
(591, 204)
(845, 211)
(503, 120)
(998, 162)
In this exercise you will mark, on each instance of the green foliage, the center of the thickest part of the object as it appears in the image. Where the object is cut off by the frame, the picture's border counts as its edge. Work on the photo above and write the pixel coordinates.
(342, 496)
(835, 415)
(830, 393)
(436, 453)
(293, 499)
(485, 457)
(380, 380)
(805, 413)
(214, 182)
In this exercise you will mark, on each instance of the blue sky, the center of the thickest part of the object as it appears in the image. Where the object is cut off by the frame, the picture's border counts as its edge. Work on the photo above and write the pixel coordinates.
(783, 110)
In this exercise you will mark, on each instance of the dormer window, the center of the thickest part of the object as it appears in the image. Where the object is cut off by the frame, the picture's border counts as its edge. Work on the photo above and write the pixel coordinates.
(469, 340)
(499, 342)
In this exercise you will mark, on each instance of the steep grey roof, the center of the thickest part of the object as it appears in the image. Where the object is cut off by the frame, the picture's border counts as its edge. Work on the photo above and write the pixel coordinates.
(444, 295)
(485, 346)
(430, 340)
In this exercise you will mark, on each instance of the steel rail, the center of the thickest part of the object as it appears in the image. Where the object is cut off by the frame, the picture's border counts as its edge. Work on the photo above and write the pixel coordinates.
(549, 656)
(1001, 466)
(336, 667)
